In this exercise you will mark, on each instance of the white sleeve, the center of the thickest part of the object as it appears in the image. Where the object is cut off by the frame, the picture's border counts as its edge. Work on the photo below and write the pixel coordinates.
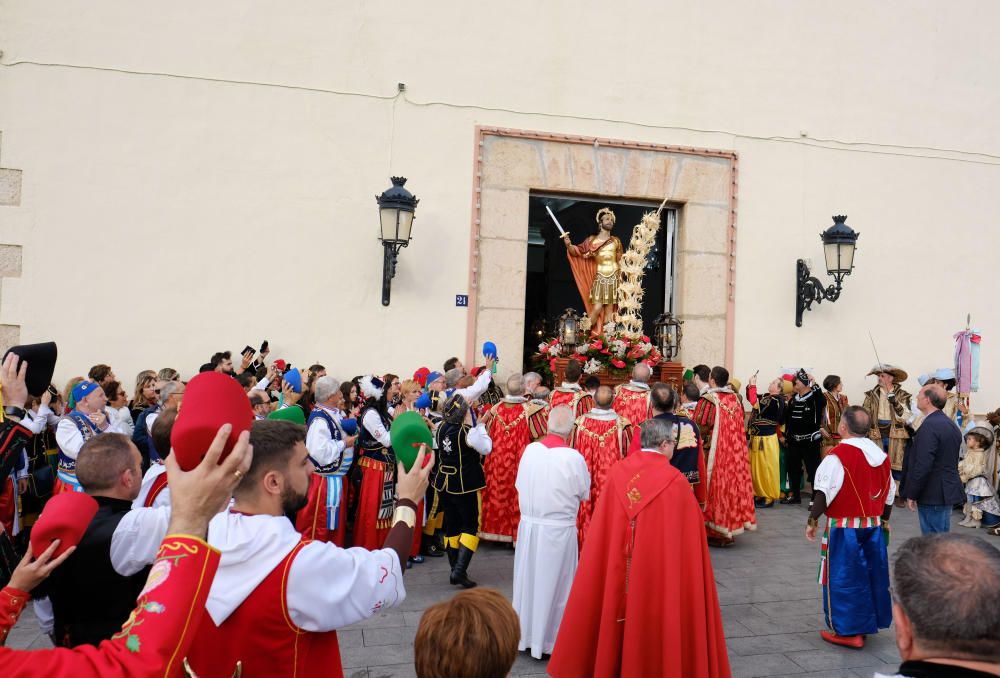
(892, 490)
(479, 440)
(68, 438)
(114, 423)
(34, 421)
(330, 587)
(373, 423)
(150, 418)
(583, 491)
(470, 393)
(262, 385)
(829, 477)
(23, 471)
(125, 423)
(323, 449)
(137, 539)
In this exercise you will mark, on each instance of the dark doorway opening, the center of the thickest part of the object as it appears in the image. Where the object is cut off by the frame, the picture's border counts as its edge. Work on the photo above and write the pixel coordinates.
(550, 289)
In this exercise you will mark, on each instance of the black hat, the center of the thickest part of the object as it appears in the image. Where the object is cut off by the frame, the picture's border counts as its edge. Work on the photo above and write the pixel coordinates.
(41, 360)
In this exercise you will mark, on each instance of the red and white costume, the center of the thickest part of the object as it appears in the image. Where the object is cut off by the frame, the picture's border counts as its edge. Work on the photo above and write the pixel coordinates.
(512, 424)
(632, 402)
(602, 437)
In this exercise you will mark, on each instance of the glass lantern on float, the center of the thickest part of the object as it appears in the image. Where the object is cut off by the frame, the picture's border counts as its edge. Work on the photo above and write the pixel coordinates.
(569, 329)
(667, 335)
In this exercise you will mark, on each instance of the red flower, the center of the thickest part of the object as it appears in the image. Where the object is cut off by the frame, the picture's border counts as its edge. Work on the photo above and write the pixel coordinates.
(645, 339)
(617, 363)
(552, 364)
(597, 345)
(633, 354)
(605, 352)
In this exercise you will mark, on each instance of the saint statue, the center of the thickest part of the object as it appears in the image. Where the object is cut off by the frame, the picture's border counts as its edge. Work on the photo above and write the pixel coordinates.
(596, 266)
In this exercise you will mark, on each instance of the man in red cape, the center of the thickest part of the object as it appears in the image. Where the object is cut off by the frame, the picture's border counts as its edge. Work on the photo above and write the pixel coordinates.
(632, 399)
(512, 424)
(570, 393)
(644, 602)
(602, 437)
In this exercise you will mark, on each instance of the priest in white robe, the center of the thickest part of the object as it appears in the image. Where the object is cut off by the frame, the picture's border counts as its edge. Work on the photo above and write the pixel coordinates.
(552, 480)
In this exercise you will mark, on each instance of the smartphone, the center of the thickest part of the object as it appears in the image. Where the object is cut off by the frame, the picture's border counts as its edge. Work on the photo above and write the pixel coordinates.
(247, 350)
(263, 347)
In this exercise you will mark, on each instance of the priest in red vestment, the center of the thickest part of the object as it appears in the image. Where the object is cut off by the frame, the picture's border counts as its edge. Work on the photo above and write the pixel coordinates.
(729, 507)
(602, 437)
(644, 602)
(570, 393)
(632, 399)
(512, 424)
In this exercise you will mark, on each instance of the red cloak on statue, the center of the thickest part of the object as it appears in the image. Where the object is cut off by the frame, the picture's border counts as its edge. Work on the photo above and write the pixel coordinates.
(644, 601)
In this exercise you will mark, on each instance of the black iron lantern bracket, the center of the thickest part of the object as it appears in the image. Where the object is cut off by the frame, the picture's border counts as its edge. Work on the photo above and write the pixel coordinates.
(810, 289)
(839, 244)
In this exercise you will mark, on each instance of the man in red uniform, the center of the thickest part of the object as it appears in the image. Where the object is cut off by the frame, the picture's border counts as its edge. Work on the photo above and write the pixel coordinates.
(512, 424)
(729, 508)
(632, 399)
(571, 393)
(643, 602)
(854, 488)
(156, 638)
(602, 437)
(277, 597)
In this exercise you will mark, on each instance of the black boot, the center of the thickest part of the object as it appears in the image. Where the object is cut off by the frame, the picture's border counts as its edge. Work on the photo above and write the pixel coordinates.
(458, 572)
(452, 556)
(429, 547)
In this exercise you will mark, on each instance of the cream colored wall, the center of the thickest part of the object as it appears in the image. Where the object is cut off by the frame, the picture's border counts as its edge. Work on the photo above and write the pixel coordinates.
(162, 218)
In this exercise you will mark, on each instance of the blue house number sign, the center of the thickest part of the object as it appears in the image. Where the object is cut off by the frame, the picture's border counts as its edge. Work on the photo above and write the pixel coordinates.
(461, 299)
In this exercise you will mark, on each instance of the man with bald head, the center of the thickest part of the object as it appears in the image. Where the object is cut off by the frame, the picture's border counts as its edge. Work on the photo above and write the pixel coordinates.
(931, 484)
(632, 399)
(602, 437)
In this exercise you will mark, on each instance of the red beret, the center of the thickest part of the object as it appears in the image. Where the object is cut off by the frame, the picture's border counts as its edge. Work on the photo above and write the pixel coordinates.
(211, 400)
(420, 376)
(66, 517)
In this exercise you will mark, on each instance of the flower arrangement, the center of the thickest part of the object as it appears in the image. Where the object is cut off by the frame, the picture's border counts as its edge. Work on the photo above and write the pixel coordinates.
(615, 352)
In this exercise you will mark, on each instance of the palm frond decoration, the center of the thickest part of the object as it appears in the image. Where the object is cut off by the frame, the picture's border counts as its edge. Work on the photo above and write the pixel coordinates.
(633, 268)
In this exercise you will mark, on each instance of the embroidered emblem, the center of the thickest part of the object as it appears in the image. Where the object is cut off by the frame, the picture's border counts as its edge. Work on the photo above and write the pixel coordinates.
(385, 573)
(157, 575)
(446, 444)
(632, 494)
(132, 642)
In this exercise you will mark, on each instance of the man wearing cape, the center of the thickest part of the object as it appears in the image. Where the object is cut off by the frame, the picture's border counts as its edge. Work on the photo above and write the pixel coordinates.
(644, 601)
(596, 268)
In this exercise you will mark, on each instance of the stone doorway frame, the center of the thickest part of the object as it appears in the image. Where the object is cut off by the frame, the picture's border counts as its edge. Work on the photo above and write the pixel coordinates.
(701, 183)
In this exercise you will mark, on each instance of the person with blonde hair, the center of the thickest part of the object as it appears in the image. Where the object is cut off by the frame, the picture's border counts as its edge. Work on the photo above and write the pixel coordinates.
(473, 635)
(146, 394)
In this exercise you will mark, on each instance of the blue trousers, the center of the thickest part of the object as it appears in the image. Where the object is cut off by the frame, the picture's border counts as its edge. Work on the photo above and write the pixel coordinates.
(856, 596)
(934, 518)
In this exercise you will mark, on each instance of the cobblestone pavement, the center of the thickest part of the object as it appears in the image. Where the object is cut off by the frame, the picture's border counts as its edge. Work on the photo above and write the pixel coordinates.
(767, 587)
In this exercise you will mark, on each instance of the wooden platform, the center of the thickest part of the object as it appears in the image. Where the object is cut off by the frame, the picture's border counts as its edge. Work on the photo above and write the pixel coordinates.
(669, 373)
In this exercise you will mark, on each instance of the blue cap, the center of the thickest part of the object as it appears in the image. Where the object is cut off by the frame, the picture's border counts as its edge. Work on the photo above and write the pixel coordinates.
(294, 379)
(350, 426)
(944, 374)
(432, 377)
(83, 389)
(423, 402)
(923, 379)
(490, 350)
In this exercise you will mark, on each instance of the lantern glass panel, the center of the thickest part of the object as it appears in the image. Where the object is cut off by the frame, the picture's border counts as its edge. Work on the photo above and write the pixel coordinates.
(388, 217)
(405, 224)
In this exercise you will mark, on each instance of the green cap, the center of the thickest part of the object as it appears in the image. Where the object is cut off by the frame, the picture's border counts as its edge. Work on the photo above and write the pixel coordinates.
(408, 432)
(292, 413)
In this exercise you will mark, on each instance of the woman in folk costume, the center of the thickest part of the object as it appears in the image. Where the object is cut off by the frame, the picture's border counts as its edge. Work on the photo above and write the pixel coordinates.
(729, 506)
(768, 412)
(836, 403)
(978, 470)
(378, 465)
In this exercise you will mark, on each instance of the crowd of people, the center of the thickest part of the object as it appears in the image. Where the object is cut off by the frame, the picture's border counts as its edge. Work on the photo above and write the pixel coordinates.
(610, 496)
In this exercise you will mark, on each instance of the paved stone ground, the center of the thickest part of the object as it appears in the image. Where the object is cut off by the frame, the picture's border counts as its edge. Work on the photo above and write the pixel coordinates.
(767, 587)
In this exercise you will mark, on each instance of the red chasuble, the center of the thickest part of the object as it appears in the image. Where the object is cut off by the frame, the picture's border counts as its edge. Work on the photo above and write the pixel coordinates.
(632, 403)
(602, 439)
(511, 425)
(579, 401)
(643, 602)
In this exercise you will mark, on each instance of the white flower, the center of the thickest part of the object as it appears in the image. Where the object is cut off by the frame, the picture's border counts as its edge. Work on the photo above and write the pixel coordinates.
(618, 347)
(582, 349)
(541, 348)
(555, 350)
(592, 367)
(646, 347)
(609, 328)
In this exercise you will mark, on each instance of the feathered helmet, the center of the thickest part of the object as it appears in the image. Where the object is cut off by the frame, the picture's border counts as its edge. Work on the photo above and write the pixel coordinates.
(605, 210)
(372, 386)
(455, 409)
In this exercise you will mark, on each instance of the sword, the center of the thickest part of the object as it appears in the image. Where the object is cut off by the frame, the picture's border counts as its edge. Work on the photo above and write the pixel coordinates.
(875, 349)
(562, 232)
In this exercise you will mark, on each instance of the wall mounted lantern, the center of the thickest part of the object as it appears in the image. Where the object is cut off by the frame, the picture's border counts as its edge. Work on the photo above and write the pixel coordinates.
(396, 207)
(839, 243)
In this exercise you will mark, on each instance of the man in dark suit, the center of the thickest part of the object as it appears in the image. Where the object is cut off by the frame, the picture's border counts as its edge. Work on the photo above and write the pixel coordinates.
(930, 468)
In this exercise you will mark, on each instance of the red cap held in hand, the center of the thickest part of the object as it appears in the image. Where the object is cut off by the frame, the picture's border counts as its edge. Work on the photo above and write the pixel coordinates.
(66, 517)
(210, 400)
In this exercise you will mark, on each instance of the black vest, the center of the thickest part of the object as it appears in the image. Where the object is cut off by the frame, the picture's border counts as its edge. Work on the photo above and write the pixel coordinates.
(459, 465)
(90, 600)
(369, 445)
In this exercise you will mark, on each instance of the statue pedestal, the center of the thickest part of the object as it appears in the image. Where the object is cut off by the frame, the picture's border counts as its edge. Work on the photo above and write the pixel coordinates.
(669, 373)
